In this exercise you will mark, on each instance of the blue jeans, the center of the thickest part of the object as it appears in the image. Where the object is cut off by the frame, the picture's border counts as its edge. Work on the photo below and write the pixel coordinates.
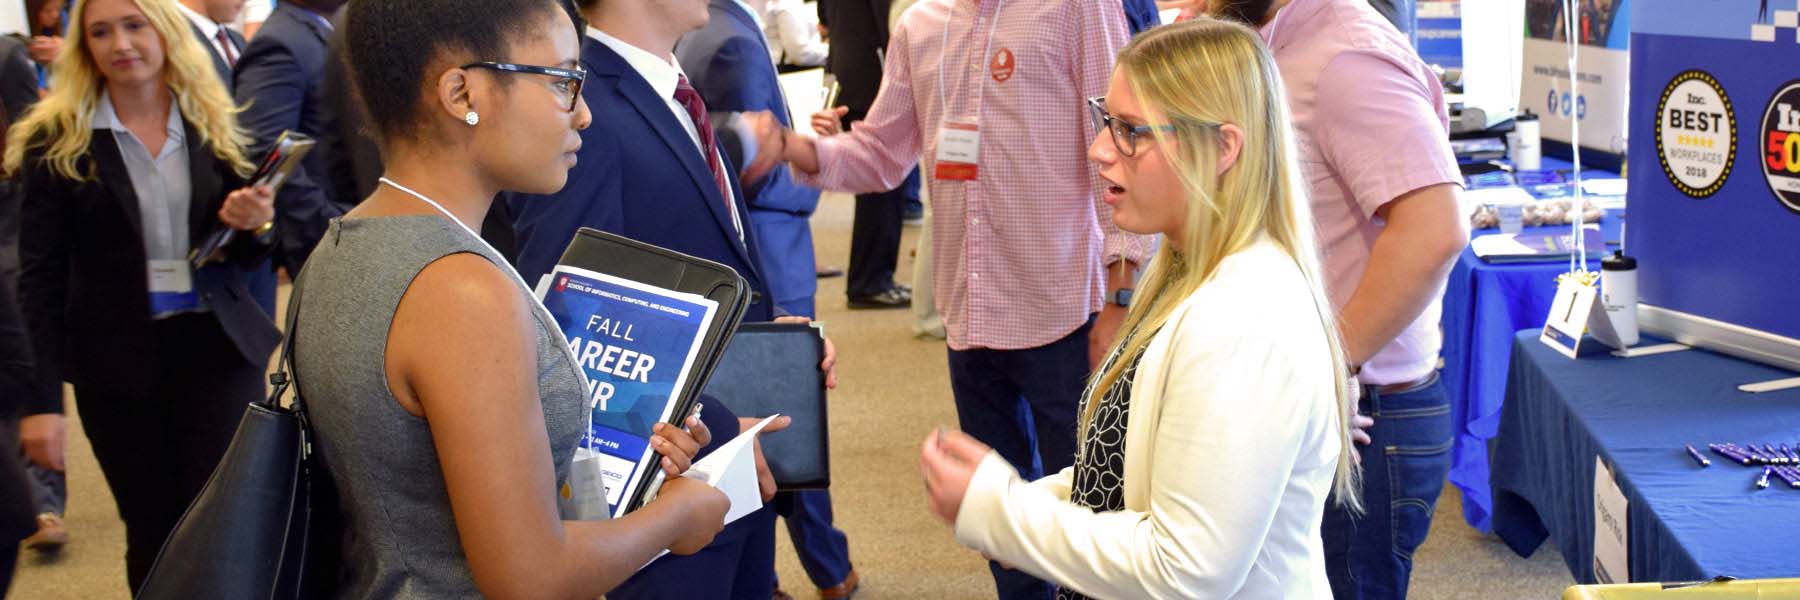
(1023, 404)
(1370, 556)
(824, 552)
(49, 489)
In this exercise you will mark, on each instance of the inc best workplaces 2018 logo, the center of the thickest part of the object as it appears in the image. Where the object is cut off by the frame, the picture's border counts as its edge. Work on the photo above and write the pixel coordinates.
(1781, 145)
(1696, 133)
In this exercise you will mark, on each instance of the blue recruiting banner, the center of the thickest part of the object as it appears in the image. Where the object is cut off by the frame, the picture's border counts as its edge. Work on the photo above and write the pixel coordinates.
(637, 345)
(1715, 201)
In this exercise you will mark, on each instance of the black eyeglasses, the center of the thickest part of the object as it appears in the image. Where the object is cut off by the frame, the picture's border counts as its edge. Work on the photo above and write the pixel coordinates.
(1124, 135)
(568, 81)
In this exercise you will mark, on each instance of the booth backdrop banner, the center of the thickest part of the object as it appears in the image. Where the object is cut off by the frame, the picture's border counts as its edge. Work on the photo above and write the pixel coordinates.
(1715, 182)
(1603, 29)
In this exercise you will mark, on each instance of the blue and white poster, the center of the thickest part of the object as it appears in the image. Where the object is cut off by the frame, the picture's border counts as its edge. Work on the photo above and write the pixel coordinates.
(1602, 34)
(637, 345)
(1715, 202)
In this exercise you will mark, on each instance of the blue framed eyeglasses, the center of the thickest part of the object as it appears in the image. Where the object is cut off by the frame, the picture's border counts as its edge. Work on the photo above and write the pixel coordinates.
(1124, 135)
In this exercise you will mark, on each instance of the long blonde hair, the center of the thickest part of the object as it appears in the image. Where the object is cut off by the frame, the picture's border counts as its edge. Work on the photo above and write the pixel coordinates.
(1199, 74)
(62, 122)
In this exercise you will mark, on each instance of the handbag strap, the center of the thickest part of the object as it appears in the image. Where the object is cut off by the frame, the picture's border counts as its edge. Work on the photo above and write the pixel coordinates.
(283, 377)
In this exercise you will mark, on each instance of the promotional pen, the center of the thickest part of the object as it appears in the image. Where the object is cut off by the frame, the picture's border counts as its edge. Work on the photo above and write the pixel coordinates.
(1779, 458)
(1788, 476)
(1699, 458)
(1731, 452)
(1750, 449)
(1738, 454)
(1763, 482)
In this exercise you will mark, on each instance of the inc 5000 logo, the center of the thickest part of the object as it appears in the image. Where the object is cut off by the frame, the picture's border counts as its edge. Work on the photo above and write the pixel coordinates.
(1781, 145)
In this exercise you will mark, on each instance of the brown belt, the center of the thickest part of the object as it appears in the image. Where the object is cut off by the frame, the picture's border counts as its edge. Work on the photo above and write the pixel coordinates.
(1404, 387)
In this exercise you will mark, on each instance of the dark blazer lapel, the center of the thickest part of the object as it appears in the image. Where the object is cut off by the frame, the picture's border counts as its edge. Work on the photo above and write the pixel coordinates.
(219, 63)
(642, 97)
(203, 178)
(109, 167)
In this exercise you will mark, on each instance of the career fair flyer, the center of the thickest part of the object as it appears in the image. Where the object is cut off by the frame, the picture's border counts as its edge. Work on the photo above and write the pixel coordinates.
(637, 345)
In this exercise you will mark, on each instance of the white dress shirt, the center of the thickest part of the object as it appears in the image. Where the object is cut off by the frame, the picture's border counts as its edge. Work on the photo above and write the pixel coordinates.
(208, 27)
(664, 75)
(1231, 447)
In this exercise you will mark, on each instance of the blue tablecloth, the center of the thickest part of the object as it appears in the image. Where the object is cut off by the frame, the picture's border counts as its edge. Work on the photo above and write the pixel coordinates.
(1483, 305)
(1686, 522)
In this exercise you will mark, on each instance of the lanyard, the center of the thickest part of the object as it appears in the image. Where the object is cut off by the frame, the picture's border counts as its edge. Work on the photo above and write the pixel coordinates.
(944, 52)
(556, 328)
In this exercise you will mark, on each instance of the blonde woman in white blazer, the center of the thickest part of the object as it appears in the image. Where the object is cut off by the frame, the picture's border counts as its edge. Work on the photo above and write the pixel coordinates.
(1218, 426)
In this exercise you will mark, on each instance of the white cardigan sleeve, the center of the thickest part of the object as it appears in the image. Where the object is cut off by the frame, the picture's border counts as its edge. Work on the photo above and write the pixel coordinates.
(1224, 447)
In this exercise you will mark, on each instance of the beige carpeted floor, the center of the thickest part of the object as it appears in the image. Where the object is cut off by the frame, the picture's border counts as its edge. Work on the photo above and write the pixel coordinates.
(894, 391)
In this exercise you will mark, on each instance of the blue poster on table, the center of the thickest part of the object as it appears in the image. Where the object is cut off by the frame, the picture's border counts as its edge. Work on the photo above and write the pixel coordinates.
(637, 345)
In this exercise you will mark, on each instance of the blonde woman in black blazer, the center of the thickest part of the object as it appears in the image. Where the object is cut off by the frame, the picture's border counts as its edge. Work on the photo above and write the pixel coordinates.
(163, 357)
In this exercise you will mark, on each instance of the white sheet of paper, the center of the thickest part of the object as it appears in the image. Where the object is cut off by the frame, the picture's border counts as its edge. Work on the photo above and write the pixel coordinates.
(1610, 532)
(731, 469)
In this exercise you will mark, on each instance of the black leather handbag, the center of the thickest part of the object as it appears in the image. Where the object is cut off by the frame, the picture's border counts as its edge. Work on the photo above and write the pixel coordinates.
(266, 526)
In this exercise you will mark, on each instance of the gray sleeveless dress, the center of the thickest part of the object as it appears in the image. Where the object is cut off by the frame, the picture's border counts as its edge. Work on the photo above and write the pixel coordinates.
(401, 541)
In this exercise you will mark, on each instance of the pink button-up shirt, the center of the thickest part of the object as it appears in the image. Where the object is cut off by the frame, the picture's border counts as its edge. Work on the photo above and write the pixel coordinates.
(1372, 126)
(1018, 255)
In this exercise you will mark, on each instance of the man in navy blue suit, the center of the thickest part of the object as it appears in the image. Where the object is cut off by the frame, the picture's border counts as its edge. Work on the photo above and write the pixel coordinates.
(208, 19)
(728, 62)
(280, 84)
(653, 173)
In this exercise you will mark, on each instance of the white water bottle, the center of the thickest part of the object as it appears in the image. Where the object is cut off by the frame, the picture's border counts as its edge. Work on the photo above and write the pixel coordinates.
(1523, 145)
(1619, 295)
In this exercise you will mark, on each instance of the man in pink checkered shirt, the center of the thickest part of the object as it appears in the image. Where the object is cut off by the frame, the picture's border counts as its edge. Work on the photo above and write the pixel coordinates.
(1026, 260)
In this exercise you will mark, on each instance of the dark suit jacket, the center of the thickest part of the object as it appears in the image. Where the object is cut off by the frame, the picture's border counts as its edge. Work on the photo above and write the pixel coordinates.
(352, 158)
(279, 85)
(859, 30)
(16, 503)
(18, 78)
(84, 289)
(219, 64)
(639, 175)
(18, 91)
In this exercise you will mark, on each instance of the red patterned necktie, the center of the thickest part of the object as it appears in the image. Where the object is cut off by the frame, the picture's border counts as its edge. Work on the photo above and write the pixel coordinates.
(230, 51)
(696, 109)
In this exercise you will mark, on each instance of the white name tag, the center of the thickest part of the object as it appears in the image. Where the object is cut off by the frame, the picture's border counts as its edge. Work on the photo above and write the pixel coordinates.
(171, 277)
(958, 151)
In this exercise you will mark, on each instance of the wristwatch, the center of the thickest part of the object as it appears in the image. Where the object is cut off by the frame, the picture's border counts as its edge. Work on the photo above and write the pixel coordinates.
(1120, 297)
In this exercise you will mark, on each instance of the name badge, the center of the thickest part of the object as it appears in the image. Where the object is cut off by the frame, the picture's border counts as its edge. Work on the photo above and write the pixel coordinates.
(170, 276)
(171, 287)
(958, 150)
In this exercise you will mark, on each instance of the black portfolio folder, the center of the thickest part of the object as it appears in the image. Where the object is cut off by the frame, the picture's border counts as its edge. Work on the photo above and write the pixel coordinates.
(773, 368)
(626, 258)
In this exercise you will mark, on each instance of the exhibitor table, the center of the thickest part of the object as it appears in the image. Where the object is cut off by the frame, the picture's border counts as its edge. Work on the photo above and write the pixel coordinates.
(1685, 522)
(1483, 305)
